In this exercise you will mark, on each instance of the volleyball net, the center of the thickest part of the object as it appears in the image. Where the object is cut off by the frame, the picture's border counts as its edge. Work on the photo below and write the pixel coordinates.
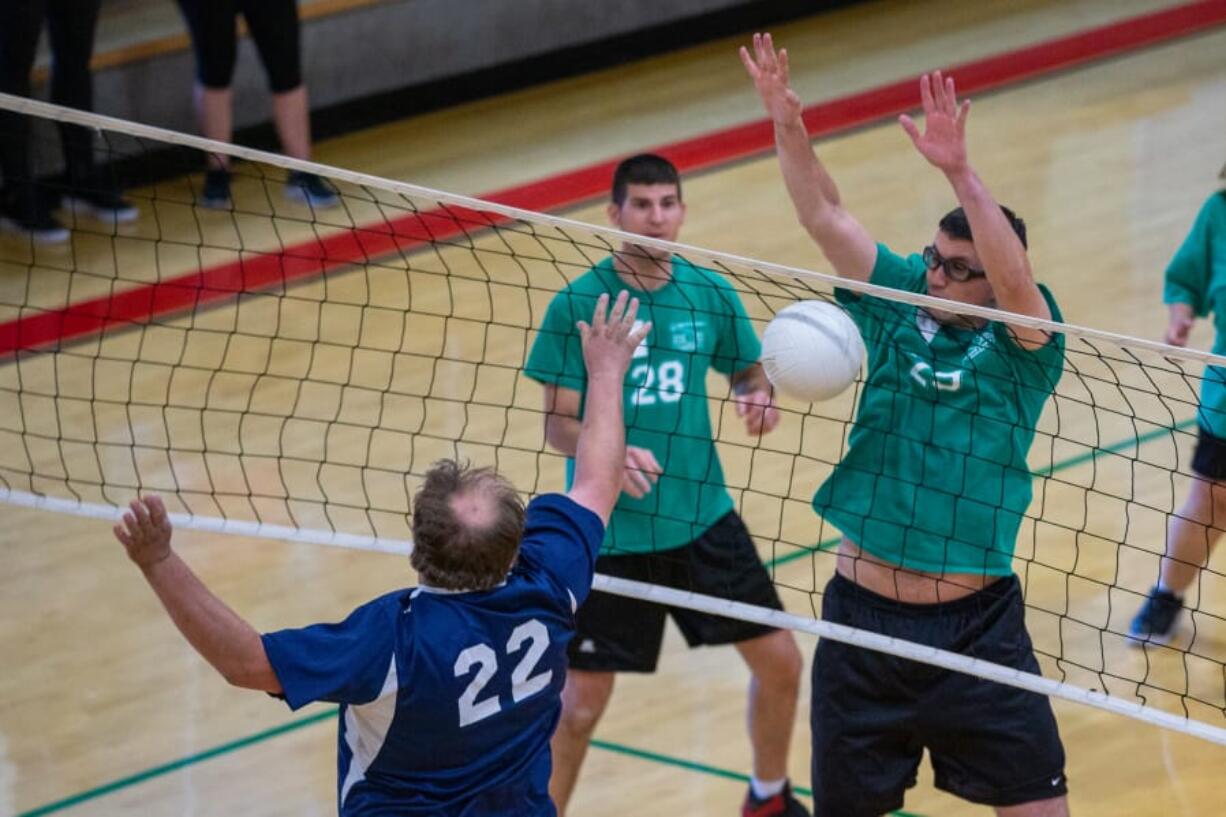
(276, 370)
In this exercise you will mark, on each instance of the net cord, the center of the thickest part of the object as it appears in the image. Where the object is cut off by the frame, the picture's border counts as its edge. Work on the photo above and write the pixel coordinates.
(654, 593)
(59, 113)
(691, 601)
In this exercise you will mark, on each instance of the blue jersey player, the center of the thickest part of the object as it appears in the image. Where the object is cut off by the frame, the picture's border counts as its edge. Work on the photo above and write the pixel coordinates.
(449, 691)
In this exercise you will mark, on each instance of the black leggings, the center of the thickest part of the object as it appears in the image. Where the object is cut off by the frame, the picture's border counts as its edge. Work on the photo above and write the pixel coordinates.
(273, 25)
(71, 24)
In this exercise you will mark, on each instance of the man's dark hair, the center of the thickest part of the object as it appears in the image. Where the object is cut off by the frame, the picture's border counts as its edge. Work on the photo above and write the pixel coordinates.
(955, 225)
(452, 553)
(646, 168)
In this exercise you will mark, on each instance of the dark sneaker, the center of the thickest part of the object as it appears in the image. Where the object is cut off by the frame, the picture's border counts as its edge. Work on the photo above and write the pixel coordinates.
(34, 220)
(782, 804)
(1155, 622)
(216, 194)
(310, 189)
(105, 205)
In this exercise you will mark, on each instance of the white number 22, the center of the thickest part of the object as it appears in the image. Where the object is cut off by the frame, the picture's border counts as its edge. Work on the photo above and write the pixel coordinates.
(523, 683)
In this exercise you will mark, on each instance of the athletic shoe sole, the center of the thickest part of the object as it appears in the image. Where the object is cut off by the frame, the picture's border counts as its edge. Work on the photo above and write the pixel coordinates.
(58, 235)
(1137, 640)
(296, 193)
(107, 215)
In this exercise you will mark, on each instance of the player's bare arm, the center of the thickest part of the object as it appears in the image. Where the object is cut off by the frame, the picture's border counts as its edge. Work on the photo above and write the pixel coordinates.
(943, 144)
(609, 342)
(221, 636)
(844, 241)
(755, 400)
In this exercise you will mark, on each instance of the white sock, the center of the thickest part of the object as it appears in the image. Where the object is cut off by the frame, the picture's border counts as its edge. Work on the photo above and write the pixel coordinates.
(1162, 586)
(766, 789)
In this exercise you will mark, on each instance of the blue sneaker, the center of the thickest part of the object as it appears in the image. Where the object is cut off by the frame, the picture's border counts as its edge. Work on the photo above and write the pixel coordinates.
(311, 190)
(216, 193)
(1155, 621)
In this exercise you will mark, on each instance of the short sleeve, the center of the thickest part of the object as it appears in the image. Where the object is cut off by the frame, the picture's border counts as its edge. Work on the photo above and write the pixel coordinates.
(562, 538)
(737, 347)
(1040, 368)
(1191, 273)
(556, 358)
(872, 315)
(344, 663)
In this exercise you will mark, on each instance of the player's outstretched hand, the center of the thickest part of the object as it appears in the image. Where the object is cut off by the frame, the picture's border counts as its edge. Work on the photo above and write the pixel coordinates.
(769, 71)
(758, 410)
(145, 531)
(613, 335)
(943, 142)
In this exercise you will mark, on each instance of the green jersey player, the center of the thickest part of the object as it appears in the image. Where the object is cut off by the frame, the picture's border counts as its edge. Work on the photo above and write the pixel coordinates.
(932, 489)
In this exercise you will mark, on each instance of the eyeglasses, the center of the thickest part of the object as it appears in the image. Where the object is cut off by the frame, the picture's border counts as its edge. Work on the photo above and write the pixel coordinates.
(955, 270)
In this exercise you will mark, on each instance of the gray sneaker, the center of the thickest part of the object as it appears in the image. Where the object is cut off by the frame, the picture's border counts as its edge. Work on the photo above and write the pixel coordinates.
(311, 190)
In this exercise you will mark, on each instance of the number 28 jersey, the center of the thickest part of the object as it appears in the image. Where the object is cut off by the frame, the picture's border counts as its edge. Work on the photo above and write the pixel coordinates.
(698, 323)
(449, 699)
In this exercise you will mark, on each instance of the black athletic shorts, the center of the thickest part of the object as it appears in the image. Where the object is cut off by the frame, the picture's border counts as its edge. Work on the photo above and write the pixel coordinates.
(874, 714)
(1209, 458)
(619, 634)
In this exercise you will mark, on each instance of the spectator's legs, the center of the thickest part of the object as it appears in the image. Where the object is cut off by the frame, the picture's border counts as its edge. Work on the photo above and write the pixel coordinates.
(275, 30)
(213, 26)
(71, 24)
(20, 24)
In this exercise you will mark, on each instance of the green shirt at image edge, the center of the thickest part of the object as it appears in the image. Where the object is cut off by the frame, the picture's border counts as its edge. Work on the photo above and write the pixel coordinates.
(1196, 276)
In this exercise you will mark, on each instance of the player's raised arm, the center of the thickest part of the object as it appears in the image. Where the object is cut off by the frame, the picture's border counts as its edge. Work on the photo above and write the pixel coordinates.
(844, 241)
(943, 144)
(219, 634)
(608, 344)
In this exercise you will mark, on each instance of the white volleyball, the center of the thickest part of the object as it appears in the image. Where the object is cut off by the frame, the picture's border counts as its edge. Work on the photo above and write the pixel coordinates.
(812, 351)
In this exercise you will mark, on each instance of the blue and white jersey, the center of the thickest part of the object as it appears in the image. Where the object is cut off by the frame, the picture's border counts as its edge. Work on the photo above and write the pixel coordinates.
(448, 700)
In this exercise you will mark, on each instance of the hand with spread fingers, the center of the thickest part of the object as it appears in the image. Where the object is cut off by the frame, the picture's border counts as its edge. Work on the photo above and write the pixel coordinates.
(610, 339)
(145, 531)
(769, 70)
(943, 142)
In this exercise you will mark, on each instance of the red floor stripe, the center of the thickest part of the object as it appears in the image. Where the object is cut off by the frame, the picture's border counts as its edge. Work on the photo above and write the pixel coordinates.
(258, 272)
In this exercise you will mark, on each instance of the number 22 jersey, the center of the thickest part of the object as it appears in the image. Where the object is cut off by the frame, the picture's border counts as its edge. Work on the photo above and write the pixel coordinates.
(449, 699)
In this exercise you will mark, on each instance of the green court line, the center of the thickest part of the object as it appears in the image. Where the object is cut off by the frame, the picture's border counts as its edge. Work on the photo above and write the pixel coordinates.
(714, 771)
(329, 714)
(175, 765)
(1071, 462)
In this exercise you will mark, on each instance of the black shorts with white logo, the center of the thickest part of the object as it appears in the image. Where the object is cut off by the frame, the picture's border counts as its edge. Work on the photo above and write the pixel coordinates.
(619, 634)
(873, 714)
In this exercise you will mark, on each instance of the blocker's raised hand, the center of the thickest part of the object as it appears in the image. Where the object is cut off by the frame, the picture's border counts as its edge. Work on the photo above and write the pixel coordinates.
(769, 71)
(943, 142)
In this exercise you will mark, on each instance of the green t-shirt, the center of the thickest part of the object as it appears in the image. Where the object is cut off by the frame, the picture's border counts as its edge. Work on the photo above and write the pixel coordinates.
(1197, 276)
(935, 476)
(698, 323)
